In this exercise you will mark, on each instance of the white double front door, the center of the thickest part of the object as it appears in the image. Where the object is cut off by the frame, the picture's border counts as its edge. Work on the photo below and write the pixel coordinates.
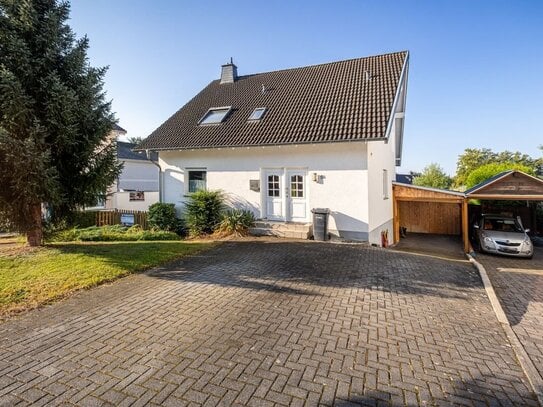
(285, 194)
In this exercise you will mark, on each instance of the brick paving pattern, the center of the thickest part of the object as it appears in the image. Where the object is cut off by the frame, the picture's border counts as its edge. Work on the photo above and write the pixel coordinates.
(269, 323)
(519, 286)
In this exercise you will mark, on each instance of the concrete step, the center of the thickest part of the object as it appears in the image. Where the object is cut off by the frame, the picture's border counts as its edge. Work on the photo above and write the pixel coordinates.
(298, 227)
(293, 234)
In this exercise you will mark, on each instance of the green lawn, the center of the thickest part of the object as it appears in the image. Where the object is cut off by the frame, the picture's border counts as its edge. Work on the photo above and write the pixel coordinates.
(30, 278)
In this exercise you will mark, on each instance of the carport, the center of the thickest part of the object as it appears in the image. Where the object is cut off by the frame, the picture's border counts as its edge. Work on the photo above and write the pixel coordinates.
(430, 210)
(507, 186)
(427, 210)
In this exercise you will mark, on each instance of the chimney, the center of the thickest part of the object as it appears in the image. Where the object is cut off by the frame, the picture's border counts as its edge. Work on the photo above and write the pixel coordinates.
(229, 72)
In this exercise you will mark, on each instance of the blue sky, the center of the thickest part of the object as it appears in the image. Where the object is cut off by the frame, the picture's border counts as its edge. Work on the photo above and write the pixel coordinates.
(476, 67)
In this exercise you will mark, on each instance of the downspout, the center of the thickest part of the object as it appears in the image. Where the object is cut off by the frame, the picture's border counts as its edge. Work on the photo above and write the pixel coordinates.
(148, 154)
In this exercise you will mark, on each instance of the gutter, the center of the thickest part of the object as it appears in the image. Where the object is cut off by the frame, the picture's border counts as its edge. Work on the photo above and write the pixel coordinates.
(148, 154)
(226, 147)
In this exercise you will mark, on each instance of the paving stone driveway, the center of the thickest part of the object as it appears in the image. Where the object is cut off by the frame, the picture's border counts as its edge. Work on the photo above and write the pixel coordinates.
(519, 286)
(270, 322)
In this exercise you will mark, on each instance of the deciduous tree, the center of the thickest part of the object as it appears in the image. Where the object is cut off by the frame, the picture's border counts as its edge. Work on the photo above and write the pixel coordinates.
(473, 158)
(487, 171)
(433, 176)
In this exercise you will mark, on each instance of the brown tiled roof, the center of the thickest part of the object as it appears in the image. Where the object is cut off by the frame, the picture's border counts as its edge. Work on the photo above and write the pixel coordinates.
(321, 103)
(116, 127)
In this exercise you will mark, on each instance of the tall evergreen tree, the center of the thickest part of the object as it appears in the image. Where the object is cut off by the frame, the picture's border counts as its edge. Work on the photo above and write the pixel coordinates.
(54, 120)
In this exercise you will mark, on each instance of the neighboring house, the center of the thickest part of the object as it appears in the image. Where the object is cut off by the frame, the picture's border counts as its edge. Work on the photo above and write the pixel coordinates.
(138, 185)
(281, 143)
(405, 178)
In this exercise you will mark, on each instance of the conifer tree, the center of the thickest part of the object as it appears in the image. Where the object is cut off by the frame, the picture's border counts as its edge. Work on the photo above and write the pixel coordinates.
(55, 123)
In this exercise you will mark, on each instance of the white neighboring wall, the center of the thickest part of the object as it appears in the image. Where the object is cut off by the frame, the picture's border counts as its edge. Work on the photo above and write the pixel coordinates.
(137, 175)
(341, 169)
(121, 200)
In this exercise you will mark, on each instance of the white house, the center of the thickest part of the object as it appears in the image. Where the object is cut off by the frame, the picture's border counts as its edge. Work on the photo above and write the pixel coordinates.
(137, 187)
(281, 143)
(138, 184)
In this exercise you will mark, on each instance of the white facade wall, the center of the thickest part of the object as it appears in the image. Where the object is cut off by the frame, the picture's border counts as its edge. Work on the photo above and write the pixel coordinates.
(121, 200)
(341, 169)
(138, 175)
(381, 156)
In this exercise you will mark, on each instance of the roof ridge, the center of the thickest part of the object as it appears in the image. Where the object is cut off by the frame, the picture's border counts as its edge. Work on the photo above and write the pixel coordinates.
(321, 64)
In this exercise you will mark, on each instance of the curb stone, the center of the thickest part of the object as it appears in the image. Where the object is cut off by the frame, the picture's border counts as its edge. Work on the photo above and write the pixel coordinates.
(536, 381)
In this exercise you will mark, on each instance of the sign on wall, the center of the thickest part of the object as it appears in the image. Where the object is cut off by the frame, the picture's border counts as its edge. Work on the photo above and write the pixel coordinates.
(254, 185)
(127, 219)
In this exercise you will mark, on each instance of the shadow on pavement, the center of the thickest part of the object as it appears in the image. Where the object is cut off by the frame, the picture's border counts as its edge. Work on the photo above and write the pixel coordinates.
(444, 246)
(518, 282)
(301, 267)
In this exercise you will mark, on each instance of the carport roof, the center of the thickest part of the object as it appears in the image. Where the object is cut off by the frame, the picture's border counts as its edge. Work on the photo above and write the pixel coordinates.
(408, 192)
(508, 185)
(437, 190)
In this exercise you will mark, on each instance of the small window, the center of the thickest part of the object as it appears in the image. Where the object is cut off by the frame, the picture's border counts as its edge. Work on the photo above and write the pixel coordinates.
(385, 184)
(137, 196)
(196, 180)
(273, 185)
(297, 186)
(257, 114)
(215, 115)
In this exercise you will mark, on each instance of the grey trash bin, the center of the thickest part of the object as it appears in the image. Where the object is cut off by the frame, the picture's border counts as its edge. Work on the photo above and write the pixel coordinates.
(320, 223)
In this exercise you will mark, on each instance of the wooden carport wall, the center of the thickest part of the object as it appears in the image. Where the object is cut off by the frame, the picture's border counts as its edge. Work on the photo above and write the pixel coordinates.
(412, 193)
(507, 186)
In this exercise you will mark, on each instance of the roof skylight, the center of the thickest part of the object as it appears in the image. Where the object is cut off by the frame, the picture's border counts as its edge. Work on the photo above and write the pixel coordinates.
(215, 115)
(257, 114)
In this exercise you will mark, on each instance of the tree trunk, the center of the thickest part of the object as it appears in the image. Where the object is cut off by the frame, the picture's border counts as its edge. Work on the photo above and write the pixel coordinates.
(34, 236)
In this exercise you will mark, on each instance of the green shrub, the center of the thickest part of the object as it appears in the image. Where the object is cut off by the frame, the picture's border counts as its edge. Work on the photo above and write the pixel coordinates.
(82, 219)
(67, 235)
(158, 235)
(162, 216)
(203, 212)
(237, 221)
(112, 234)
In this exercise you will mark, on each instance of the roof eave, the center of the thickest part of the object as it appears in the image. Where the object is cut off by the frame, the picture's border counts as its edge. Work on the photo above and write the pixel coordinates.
(472, 193)
(391, 117)
(430, 189)
(364, 140)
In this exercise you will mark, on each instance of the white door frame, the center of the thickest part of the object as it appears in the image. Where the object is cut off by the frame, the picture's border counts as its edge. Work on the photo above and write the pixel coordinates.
(285, 190)
(266, 199)
(299, 202)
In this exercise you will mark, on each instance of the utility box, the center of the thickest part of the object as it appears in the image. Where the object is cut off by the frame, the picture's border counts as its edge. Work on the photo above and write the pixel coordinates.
(320, 223)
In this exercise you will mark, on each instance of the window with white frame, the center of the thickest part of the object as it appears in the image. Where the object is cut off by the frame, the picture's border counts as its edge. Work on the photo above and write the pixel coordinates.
(257, 114)
(196, 180)
(215, 115)
(385, 184)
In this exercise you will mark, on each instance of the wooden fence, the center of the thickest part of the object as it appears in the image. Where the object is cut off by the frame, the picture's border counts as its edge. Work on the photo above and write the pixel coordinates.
(114, 217)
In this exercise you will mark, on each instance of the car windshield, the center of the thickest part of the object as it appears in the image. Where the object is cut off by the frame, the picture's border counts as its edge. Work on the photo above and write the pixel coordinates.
(502, 225)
